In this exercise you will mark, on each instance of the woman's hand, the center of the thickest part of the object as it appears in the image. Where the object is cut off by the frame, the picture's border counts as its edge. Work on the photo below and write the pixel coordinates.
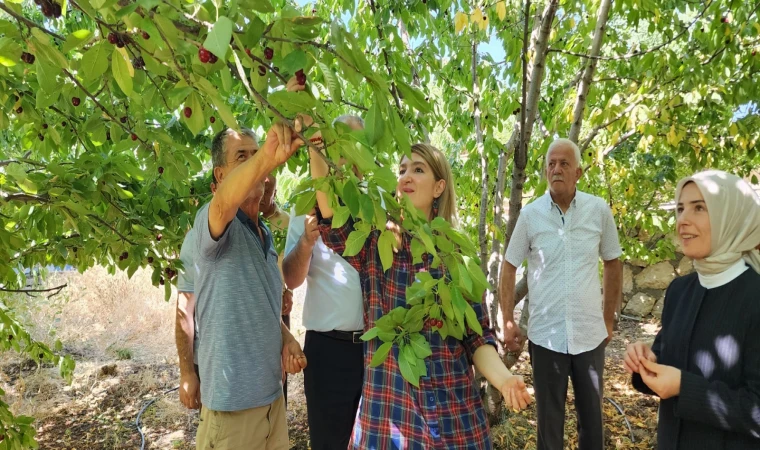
(664, 380)
(515, 393)
(634, 354)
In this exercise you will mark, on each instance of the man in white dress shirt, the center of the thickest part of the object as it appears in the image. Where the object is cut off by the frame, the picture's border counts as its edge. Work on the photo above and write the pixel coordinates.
(563, 234)
(333, 316)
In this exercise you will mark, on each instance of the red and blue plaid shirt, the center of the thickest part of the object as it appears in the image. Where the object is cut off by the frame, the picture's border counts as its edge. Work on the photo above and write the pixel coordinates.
(445, 412)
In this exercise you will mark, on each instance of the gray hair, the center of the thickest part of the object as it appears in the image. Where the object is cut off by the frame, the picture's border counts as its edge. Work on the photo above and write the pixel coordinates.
(561, 142)
(218, 154)
(349, 120)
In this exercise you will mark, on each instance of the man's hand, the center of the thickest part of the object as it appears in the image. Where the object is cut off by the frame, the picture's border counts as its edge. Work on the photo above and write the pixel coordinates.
(513, 337)
(293, 359)
(279, 145)
(664, 380)
(287, 302)
(634, 354)
(310, 230)
(190, 390)
(610, 331)
(515, 393)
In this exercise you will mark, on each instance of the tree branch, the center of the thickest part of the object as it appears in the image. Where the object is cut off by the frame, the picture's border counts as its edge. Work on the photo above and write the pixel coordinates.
(381, 37)
(588, 73)
(29, 198)
(639, 53)
(28, 291)
(29, 23)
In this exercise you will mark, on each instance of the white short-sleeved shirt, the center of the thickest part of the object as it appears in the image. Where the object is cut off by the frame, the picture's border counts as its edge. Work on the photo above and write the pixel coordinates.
(563, 252)
(333, 291)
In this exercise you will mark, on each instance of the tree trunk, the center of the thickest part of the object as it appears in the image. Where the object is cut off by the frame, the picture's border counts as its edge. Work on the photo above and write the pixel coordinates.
(588, 73)
(482, 234)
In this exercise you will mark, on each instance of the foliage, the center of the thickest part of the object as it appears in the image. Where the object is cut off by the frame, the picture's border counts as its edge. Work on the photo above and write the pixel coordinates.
(101, 143)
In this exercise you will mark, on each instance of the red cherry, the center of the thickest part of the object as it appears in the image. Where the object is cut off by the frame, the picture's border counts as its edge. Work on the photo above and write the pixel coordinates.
(161, 281)
(150, 260)
(212, 119)
(159, 236)
(262, 70)
(42, 138)
(44, 125)
(213, 58)
(113, 38)
(440, 323)
(188, 111)
(123, 119)
(63, 124)
(248, 52)
(134, 137)
(145, 35)
(268, 53)
(75, 101)
(204, 55)
(19, 110)
(160, 171)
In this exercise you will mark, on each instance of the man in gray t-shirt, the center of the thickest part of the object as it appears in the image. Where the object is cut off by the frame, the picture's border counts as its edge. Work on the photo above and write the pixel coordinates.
(244, 344)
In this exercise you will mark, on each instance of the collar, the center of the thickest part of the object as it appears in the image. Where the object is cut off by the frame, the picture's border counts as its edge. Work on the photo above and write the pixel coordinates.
(711, 281)
(573, 202)
(255, 226)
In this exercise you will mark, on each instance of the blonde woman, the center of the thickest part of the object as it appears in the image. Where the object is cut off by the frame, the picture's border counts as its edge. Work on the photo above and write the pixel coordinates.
(445, 412)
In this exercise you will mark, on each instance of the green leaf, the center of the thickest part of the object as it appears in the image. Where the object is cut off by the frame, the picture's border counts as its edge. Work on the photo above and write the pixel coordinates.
(76, 40)
(414, 293)
(292, 103)
(351, 197)
(331, 81)
(262, 6)
(10, 52)
(418, 249)
(340, 216)
(355, 242)
(472, 320)
(218, 40)
(374, 124)
(420, 346)
(41, 49)
(369, 335)
(381, 354)
(385, 247)
(478, 277)
(305, 202)
(359, 155)
(413, 97)
(196, 123)
(293, 62)
(122, 70)
(47, 77)
(96, 61)
(401, 134)
(444, 293)
(405, 366)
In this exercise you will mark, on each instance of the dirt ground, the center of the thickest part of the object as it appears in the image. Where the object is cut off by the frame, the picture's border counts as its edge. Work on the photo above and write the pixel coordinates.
(120, 333)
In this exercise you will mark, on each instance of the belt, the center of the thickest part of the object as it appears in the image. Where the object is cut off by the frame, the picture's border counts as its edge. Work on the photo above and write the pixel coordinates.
(351, 336)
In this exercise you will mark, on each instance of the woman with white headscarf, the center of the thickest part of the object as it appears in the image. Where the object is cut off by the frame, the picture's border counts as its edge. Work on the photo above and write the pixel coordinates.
(704, 363)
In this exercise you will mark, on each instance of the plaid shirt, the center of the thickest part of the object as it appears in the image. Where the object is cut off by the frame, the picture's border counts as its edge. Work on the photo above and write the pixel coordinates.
(445, 412)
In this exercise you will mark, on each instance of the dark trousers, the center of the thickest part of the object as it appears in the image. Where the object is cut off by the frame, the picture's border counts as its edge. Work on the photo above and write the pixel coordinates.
(333, 385)
(550, 372)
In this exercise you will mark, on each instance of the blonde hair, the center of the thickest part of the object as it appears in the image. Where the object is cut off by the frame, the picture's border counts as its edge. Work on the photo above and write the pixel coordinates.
(447, 202)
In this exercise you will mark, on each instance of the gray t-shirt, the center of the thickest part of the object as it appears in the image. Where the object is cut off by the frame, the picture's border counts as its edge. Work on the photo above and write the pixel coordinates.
(238, 302)
(186, 277)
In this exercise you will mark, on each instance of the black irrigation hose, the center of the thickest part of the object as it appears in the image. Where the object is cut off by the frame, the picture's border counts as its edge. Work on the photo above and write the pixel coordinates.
(137, 420)
(620, 410)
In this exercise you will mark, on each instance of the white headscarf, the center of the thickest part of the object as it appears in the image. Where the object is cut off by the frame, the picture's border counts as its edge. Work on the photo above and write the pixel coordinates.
(734, 210)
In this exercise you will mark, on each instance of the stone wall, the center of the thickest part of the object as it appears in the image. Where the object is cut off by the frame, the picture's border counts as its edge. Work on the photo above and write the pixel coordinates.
(644, 286)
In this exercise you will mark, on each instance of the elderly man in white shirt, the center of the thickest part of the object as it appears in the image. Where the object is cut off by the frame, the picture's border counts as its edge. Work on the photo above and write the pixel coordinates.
(333, 316)
(563, 234)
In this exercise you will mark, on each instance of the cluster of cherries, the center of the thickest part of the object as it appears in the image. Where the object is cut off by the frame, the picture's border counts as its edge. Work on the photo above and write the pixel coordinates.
(437, 323)
(49, 8)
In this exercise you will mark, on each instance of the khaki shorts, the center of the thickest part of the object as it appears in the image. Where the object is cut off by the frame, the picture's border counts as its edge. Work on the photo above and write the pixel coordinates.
(263, 428)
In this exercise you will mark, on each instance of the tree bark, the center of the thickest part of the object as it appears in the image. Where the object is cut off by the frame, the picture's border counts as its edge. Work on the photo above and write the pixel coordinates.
(588, 73)
(482, 235)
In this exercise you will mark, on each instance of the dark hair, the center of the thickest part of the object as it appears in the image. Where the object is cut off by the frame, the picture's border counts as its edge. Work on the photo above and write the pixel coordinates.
(218, 157)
